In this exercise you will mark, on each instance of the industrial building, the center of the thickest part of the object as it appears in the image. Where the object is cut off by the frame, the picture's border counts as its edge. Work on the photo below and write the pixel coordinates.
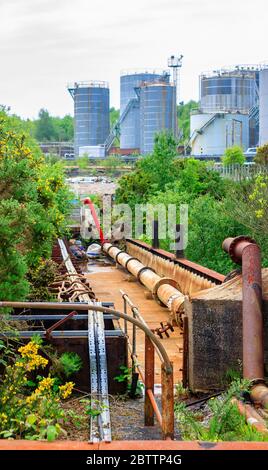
(91, 114)
(228, 111)
(148, 105)
(264, 105)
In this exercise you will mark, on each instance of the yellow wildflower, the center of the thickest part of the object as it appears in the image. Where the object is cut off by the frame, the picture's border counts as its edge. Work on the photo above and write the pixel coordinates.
(29, 349)
(66, 389)
(45, 384)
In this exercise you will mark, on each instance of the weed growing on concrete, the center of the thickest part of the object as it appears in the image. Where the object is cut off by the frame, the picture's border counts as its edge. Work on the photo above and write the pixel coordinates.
(224, 422)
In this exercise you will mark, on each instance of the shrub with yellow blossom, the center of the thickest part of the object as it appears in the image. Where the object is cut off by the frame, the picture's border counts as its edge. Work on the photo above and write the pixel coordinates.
(34, 204)
(35, 415)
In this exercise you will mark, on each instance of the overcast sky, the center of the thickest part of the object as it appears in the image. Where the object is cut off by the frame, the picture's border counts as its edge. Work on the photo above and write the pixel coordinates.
(44, 44)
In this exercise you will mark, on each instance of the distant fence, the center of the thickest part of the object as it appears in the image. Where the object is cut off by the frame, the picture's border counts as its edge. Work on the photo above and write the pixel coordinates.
(240, 172)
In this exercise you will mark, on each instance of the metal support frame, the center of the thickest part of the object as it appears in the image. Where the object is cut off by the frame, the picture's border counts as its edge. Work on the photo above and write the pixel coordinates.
(150, 406)
(149, 382)
(166, 421)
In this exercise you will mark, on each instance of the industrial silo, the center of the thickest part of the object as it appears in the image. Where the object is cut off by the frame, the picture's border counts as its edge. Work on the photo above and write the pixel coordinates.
(229, 90)
(264, 106)
(213, 133)
(130, 105)
(91, 113)
(157, 101)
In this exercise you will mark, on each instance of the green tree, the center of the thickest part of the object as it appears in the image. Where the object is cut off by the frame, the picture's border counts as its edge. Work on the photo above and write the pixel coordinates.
(114, 116)
(34, 203)
(184, 113)
(233, 156)
(261, 157)
(45, 128)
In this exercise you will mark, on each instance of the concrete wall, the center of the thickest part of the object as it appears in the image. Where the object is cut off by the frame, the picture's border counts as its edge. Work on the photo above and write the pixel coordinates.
(215, 336)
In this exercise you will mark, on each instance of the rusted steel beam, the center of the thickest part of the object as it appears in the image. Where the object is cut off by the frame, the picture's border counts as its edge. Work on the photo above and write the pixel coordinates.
(58, 323)
(185, 379)
(167, 402)
(96, 308)
(149, 382)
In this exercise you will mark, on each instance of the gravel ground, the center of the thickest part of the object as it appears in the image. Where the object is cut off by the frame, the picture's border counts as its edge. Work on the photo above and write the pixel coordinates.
(127, 421)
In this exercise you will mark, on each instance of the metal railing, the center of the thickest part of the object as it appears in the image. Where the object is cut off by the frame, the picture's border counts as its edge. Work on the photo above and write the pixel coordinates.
(151, 409)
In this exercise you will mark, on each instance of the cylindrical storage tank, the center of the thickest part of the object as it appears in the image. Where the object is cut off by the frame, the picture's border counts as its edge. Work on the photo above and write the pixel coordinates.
(213, 133)
(91, 113)
(157, 101)
(263, 106)
(130, 105)
(228, 91)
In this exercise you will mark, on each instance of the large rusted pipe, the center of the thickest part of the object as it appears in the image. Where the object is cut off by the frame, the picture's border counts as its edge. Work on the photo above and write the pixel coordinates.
(244, 250)
(162, 288)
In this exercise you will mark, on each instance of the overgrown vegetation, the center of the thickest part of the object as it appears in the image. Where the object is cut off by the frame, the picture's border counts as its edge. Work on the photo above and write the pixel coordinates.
(184, 113)
(30, 403)
(261, 157)
(218, 207)
(224, 422)
(233, 156)
(34, 204)
(126, 377)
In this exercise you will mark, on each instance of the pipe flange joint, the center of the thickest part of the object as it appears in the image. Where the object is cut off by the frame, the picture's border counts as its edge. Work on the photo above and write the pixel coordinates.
(233, 245)
(108, 249)
(145, 268)
(119, 253)
(163, 280)
(130, 259)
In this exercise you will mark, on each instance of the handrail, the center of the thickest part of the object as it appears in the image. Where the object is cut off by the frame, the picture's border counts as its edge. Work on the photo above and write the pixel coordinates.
(96, 308)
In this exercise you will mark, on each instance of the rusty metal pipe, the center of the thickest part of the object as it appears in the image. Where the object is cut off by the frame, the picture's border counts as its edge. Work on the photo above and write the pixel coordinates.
(244, 250)
(251, 416)
(164, 289)
(96, 308)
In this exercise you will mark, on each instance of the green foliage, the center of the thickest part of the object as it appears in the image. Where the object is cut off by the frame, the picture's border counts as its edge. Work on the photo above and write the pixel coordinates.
(233, 156)
(261, 157)
(184, 113)
(159, 164)
(71, 363)
(40, 277)
(83, 162)
(225, 422)
(93, 408)
(34, 204)
(48, 129)
(112, 162)
(114, 116)
(126, 377)
(45, 130)
(33, 412)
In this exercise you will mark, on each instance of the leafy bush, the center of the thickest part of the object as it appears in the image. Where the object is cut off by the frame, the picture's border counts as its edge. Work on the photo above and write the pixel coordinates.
(233, 156)
(34, 414)
(71, 363)
(262, 155)
(34, 205)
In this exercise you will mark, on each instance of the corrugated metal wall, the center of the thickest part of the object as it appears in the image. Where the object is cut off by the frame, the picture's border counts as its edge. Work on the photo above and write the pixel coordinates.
(156, 113)
(227, 93)
(264, 106)
(91, 113)
(130, 127)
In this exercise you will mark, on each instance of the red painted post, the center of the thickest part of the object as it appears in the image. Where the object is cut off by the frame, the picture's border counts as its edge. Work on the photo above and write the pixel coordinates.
(149, 382)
